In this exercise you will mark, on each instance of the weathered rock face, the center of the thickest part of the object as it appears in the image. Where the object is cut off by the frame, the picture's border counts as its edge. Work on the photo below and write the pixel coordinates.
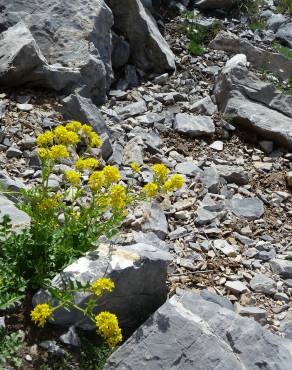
(148, 49)
(254, 103)
(214, 4)
(72, 34)
(189, 333)
(139, 272)
(19, 219)
(259, 58)
(284, 34)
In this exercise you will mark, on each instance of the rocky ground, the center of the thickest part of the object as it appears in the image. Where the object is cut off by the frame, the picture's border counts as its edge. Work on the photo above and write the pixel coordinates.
(229, 229)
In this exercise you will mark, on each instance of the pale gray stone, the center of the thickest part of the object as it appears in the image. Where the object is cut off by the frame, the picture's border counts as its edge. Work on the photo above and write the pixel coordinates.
(263, 284)
(282, 267)
(189, 333)
(130, 267)
(194, 126)
(249, 208)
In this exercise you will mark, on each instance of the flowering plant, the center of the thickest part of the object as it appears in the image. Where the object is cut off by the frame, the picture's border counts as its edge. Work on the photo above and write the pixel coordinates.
(106, 323)
(68, 219)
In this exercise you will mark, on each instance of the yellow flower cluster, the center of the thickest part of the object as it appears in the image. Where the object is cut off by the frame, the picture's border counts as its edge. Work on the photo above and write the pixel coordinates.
(174, 183)
(86, 164)
(53, 144)
(118, 196)
(65, 137)
(96, 181)
(41, 313)
(101, 285)
(151, 189)
(45, 139)
(108, 327)
(73, 177)
(111, 175)
(161, 171)
(47, 204)
(135, 167)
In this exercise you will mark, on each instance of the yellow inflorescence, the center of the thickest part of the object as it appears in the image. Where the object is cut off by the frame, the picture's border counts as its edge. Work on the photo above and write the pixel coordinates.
(65, 137)
(150, 189)
(96, 181)
(135, 167)
(45, 139)
(174, 183)
(44, 153)
(161, 171)
(86, 129)
(58, 152)
(41, 313)
(47, 204)
(111, 174)
(86, 164)
(74, 126)
(108, 327)
(73, 177)
(118, 196)
(94, 140)
(101, 285)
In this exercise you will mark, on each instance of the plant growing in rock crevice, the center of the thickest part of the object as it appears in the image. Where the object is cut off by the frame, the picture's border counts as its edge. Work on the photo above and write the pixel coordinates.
(67, 222)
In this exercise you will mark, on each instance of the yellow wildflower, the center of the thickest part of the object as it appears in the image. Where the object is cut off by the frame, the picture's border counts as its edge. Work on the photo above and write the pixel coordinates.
(96, 181)
(63, 136)
(111, 174)
(101, 285)
(94, 140)
(107, 326)
(135, 167)
(45, 139)
(74, 126)
(58, 152)
(174, 183)
(150, 189)
(86, 129)
(118, 196)
(47, 204)
(41, 313)
(103, 201)
(43, 153)
(161, 171)
(73, 177)
(87, 163)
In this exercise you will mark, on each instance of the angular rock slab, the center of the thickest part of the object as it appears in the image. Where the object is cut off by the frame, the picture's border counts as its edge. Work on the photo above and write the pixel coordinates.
(139, 272)
(19, 219)
(148, 49)
(249, 208)
(254, 104)
(189, 333)
(73, 34)
(259, 58)
(194, 126)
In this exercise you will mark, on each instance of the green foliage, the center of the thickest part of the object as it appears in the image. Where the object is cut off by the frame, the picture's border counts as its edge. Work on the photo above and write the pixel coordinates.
(286, 52)
(248, 7)
(10, 343)
(258, 24)
(284, 6)
(93, 357)
(198, 34)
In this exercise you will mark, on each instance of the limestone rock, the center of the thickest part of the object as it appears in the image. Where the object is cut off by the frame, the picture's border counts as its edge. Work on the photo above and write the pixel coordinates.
(139, 272)
(194, 126)
(189, 333)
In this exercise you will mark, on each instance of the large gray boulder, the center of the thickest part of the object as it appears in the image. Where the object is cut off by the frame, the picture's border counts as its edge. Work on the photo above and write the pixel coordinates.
(259, 58)
(253, 103)
(189, 332)
(22, 62)
(139, 272)
(148, 49)
(72, 34)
